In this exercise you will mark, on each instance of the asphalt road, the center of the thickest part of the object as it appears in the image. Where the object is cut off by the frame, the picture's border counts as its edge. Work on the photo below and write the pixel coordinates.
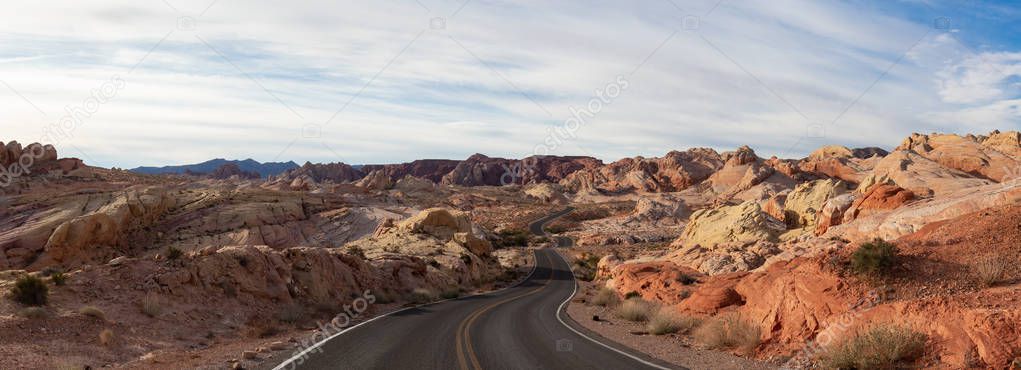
(536, 228)
(521, 327)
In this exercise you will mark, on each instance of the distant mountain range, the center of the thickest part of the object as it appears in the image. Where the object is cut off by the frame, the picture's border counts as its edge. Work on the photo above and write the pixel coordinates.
(248, 165)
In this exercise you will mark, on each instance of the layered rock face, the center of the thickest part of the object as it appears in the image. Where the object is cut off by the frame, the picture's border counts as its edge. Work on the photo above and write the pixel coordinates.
(993, 157)
(334, 172)
(230, 170)
(429, 169)
(480, 170)
(446, 237)
(741, 223)
(674, 172)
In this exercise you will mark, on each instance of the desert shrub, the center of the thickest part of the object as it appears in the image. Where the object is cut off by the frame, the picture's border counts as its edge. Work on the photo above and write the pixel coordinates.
(686, 279)
(666, 321)
(451, 293)
(422, 295)
(173, 253)
(58, 278)
(511, 238)
(151, 305)
(106, 337)
(874, 258)
(355, 250)
(636, 309)
(33, 313)
(990, 270)
(92, 311)
(292, 313)
(880, 347)
(632, 294)
(729, 331)
(30, 291)
(606, 297)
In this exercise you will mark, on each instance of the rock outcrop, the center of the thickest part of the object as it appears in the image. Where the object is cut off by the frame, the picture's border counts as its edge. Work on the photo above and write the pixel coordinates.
(741, 223)
(807, 199)
(673, 172)
(995, 157)
(923, 176)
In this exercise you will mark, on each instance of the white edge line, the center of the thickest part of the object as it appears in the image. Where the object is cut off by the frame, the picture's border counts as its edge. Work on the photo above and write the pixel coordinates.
(535, 264)
(559, 318)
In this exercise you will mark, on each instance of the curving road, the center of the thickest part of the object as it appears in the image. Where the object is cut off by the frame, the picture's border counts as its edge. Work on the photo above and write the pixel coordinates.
(537, 228)
(521, 327)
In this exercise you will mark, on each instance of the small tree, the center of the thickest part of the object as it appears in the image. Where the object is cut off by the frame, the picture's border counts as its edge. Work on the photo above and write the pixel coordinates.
(874, 258)
(30, 290)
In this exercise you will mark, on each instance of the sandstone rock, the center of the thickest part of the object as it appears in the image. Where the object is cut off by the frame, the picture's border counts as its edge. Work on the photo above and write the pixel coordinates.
(881, 197)
(547, 193)
(410, 183)
(657, 209)
(832, 212)
(724, 258)
(652, 280)
(923, 176)
(429, 169)
(906, 219)
(994, 158)
(774, 206)
(606, 265)
(741, 223)
(673, 172)
(375, 180)
(807, 199)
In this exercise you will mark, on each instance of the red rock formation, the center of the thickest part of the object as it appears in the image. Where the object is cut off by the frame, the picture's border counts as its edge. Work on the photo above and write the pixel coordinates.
(429, 169)
(229, 170)
(321, 172)
(878, 197)
(674, 172)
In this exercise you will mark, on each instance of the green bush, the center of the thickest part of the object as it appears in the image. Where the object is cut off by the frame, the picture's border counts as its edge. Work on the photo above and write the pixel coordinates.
(880, 347)
(30, 291)
(451, 293)
(511, 238)
(874, 258)
(174, 253)
(58, 278)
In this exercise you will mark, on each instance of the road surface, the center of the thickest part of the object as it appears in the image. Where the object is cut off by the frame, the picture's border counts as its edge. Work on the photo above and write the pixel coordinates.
(521, 327)
(537, 228)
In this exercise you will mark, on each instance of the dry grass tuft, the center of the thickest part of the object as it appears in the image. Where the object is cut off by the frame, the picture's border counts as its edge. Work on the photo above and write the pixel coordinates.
(106, 337)
(606, 297)
(34, 313)
(990, 270)
(636, 309)
(667, 321)
(422, 295)
(880, 347)
(92, 311)
(730, 331)
(152, 305)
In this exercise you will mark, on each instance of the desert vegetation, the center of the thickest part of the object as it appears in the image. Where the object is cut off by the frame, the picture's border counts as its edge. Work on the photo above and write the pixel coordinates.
(729, 331)
(877, 347)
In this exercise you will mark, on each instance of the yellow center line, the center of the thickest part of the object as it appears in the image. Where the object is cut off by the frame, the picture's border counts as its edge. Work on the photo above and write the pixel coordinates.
(464, 329)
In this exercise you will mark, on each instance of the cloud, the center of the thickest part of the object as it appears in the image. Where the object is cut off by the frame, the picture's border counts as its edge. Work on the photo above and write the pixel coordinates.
(249, 77)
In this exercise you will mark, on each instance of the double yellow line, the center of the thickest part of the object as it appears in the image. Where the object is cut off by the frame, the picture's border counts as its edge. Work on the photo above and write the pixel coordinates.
(465, 351)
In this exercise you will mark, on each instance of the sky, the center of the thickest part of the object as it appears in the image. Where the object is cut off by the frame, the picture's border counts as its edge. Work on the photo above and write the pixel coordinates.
(161, 82)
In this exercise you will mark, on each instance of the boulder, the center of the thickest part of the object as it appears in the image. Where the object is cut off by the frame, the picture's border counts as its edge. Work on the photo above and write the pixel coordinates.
(807, 199)
(832, 212)
(375, 181)
(881, 197)
(741, 223)
(923, 176)
(547, 193)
